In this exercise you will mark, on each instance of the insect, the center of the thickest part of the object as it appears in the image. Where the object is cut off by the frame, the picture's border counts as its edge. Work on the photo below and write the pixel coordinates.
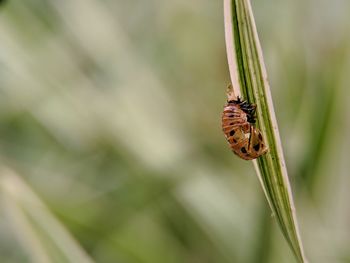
(238, 120)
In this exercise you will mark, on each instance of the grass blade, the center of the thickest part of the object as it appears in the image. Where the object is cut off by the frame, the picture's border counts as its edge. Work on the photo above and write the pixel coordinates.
(42, 235)
(249, 78)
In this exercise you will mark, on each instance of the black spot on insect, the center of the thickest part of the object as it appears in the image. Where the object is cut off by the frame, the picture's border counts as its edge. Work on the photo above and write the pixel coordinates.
(232, 141)
(256, 147)
(260, 137)
(232, 132)
(243, 150)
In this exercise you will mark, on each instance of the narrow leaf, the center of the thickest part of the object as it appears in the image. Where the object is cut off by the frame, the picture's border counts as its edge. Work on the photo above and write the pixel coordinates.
(39, 231)
(249, 78)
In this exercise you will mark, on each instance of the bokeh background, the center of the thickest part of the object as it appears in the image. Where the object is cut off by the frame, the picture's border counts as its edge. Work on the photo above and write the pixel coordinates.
(110, 112)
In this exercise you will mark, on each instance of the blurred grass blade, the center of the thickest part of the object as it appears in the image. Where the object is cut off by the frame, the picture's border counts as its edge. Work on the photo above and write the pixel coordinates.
(249, 78)
(39, 231)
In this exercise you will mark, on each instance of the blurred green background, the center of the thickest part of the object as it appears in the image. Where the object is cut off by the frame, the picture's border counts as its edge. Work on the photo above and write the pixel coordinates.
(110, 112)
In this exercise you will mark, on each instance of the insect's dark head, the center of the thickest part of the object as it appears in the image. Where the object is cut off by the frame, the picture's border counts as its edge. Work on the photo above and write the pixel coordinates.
(247, 107)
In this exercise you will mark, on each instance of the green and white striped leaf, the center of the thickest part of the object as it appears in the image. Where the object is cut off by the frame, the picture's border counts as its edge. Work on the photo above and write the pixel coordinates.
(249, 80)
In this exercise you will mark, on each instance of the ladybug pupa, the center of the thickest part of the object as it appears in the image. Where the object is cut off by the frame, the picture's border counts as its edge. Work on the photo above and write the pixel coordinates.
(238, 119)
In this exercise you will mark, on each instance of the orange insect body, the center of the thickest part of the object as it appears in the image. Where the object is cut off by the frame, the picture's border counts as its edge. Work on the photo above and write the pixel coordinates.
(243, 137)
